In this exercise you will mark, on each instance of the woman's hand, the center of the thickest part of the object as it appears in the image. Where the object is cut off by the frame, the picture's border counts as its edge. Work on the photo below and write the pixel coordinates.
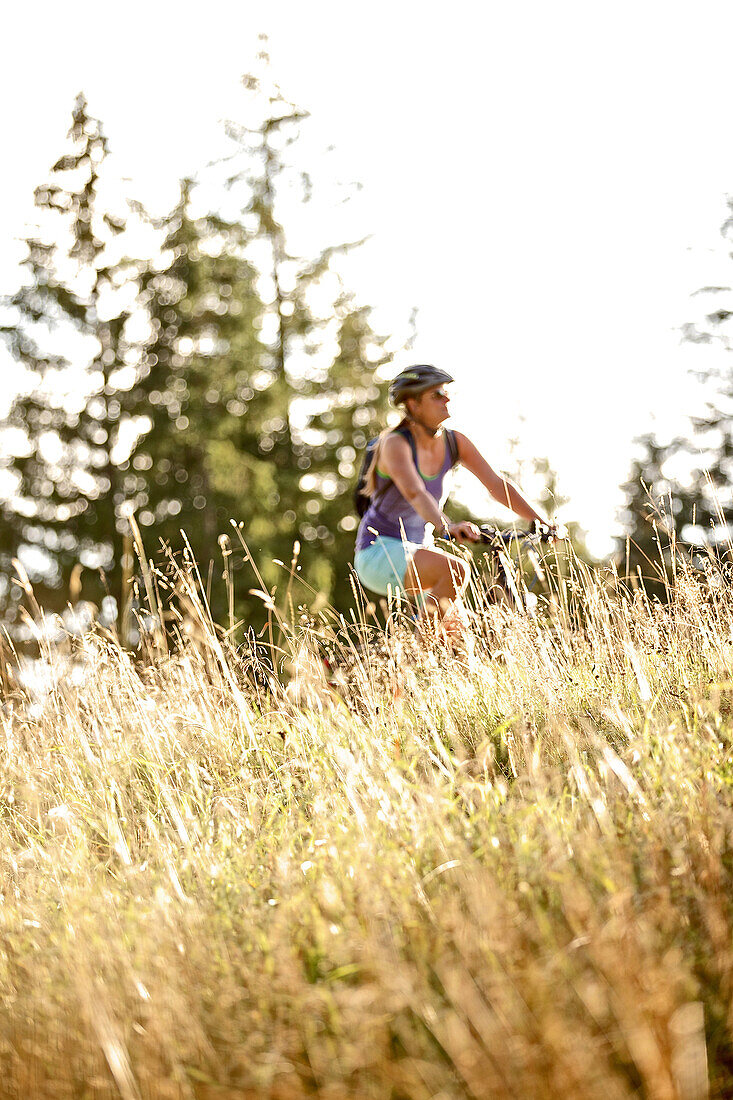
(464, 532)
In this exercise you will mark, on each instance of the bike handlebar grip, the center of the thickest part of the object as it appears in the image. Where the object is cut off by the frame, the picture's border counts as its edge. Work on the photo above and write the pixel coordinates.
(488, 533)
(544, 531)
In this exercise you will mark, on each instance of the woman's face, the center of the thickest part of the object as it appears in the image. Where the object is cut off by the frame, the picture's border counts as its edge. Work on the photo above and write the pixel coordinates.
(432, 406)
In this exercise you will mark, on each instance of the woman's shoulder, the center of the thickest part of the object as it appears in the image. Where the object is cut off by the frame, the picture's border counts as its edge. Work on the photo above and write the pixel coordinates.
(395, 449)
(398, 441)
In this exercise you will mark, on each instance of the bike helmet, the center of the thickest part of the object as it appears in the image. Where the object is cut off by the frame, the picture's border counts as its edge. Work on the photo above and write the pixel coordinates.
(415, 380)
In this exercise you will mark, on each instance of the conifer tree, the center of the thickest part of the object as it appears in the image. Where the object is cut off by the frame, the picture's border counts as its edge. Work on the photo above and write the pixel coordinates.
(68, 327)
(694, 510)
(711, 443)
(197, 465)
(321, 361)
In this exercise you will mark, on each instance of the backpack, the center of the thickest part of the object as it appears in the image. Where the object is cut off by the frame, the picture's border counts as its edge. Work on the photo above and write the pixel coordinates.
(361, 501)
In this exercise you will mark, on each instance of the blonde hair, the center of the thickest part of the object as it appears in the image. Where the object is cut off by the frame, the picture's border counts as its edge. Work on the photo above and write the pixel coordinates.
(370, 481)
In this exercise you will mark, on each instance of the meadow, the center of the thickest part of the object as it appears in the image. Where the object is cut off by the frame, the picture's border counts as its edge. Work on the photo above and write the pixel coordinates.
(507, 873)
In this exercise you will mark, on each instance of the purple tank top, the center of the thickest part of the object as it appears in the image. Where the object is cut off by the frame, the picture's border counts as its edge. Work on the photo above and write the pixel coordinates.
(389, 513)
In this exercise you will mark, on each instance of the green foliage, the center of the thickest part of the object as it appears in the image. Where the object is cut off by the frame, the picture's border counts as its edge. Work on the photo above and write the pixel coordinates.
(227, 377)
(68, 326)
(321, 357)
(196, 463)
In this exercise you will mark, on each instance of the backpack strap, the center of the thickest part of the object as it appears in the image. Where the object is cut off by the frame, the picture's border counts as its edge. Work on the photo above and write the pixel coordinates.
(450, 436)
(407, 434)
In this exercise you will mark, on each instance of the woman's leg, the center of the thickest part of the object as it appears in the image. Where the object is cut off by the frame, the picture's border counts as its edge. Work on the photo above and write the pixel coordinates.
(437, 580)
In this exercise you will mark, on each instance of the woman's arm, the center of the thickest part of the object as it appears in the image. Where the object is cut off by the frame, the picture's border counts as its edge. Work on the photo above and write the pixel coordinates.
(500, 487)
(395, 459)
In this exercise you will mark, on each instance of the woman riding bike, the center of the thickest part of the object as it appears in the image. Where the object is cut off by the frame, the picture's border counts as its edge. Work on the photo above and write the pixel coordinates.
(405, 486)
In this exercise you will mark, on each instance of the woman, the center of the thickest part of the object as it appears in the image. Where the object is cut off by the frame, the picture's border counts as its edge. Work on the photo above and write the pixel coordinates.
(405, 484)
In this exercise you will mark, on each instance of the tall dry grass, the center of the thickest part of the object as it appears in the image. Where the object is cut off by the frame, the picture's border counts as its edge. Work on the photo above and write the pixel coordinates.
(501, 875)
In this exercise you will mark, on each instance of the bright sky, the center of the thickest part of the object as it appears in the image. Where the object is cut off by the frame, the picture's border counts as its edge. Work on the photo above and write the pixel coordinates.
(545, 182)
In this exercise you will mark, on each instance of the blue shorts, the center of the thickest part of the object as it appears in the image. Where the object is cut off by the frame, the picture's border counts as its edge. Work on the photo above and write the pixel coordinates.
(383, 564)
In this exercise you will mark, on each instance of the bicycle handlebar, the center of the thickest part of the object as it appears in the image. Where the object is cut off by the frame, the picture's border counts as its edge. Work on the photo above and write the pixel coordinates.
(493, 536)
(539, 532)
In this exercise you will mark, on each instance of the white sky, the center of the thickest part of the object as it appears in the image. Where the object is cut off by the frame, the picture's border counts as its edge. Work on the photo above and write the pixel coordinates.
(545, 182)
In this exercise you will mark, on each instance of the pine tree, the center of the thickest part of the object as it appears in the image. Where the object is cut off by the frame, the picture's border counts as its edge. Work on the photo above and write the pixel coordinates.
(196, 466)
(711, 481)
(68, 327)
(694, 508)
(322, 362)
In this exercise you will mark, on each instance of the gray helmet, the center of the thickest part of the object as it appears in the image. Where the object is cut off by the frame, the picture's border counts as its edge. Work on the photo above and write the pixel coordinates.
(415, 380)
